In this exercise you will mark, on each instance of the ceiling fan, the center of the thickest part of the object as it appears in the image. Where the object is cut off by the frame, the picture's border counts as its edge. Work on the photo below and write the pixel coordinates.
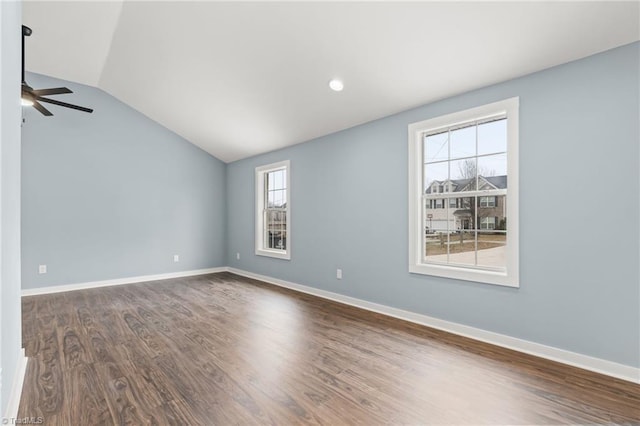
(33, 97)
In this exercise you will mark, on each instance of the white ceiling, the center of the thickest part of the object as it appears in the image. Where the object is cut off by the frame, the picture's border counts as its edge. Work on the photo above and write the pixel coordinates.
(239, 78)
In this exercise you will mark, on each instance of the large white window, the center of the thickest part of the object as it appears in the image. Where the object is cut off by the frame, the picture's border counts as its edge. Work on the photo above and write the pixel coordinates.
(273, 210)
(473, 155)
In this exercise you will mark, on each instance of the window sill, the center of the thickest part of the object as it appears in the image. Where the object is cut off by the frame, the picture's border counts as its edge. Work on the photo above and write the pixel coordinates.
(278, 254)
(466, 274)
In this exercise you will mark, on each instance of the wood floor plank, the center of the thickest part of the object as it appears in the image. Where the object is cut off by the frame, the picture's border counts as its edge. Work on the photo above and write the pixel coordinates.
(222, 349)
(86, 396)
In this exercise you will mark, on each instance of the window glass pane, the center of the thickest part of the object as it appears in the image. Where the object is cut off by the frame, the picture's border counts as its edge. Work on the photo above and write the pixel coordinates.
(464, 216)
(436, 243)
(270, 198)
(493, 172)
(463, 142)
(463, 174)
(434, 175)
(501, 222)
(439, 219)
(276, 180)
(492, 137)
(271, 180)
(281, 181)
(276, 222)
(436, 147)
(267, 234)
(433, 218)
(492, 249)
(462, 246)
(277, 199)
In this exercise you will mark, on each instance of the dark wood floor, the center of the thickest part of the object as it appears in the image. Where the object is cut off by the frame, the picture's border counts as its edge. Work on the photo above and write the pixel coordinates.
(221, 349)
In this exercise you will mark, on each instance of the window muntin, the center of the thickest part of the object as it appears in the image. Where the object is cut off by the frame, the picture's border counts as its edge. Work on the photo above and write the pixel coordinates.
(273, 210)
(472, 155)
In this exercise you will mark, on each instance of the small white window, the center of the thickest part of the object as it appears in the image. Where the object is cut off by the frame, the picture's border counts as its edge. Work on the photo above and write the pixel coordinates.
(488, 222)
(273, 210)
(475, 152)
(487, 201)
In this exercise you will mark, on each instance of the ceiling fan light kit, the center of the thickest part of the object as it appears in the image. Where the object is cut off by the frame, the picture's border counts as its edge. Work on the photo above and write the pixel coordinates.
(34, 97)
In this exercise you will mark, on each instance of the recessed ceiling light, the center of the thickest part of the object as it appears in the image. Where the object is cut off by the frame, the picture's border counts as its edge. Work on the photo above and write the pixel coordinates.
(336, 85)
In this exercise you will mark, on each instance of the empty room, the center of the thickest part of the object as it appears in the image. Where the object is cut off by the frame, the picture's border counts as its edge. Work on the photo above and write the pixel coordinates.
(337, 213)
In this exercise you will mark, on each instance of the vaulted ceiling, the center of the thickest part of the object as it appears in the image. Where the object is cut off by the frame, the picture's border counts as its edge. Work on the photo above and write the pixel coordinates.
(239, 78)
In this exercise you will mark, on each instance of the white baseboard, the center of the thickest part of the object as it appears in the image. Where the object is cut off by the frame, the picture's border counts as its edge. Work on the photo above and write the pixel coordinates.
(16, 388)
(119, 281)
(597, 365)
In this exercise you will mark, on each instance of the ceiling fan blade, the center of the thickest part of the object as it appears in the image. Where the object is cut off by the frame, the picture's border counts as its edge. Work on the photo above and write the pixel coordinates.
(37, 105)
(54, 91)
(64, 104)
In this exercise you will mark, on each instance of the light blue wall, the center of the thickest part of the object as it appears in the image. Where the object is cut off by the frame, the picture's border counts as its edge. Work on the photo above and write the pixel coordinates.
(10, 335)
(579, 161)
(113, 194)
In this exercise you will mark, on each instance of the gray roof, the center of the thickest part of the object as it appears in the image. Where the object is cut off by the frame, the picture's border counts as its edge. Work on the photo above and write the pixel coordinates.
(499, 182)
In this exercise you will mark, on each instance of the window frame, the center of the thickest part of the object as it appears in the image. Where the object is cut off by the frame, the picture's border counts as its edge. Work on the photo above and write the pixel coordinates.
(260, 203)
(509, 277)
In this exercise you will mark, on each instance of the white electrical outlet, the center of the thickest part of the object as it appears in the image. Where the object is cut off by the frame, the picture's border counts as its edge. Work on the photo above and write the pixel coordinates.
(42, 269)
(339, 274)
(238, 256)
(176, 258)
